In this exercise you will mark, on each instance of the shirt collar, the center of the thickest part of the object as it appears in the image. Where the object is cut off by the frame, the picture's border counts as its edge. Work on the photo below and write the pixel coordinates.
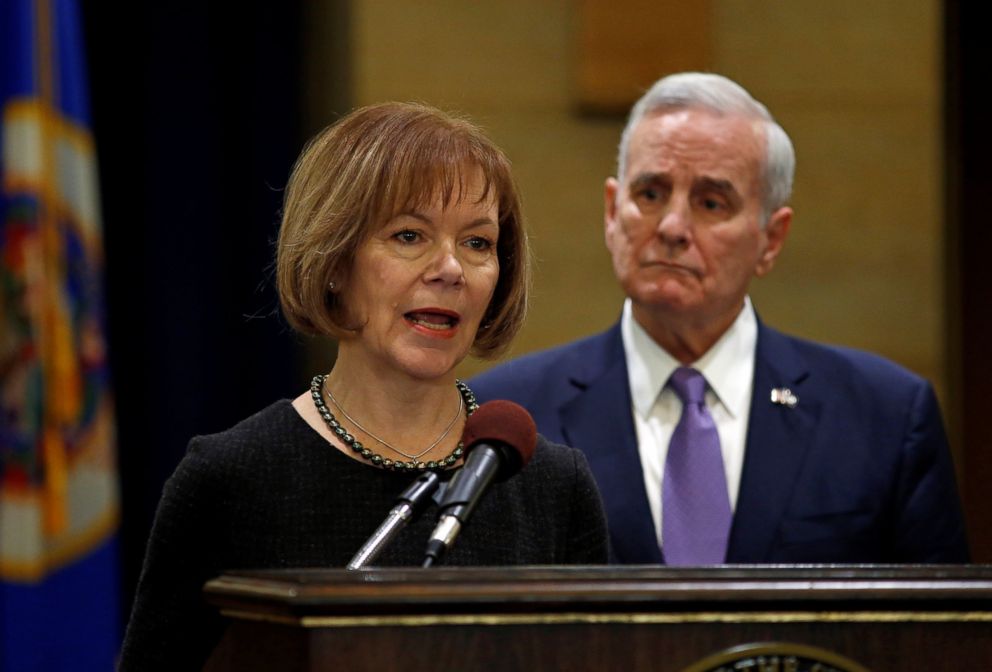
(727, 366)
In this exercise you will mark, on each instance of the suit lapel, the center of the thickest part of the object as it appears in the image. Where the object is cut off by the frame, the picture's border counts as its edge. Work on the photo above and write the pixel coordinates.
(777, 441)
(598, 421)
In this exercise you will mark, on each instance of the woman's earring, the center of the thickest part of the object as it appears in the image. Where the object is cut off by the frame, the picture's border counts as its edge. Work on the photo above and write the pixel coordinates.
(331, 285)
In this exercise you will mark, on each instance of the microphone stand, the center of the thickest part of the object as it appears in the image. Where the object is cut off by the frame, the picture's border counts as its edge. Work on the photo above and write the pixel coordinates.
(411, 502)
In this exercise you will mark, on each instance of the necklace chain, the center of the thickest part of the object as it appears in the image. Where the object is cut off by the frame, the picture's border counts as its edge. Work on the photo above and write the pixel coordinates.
(381, 441)
(317, 389)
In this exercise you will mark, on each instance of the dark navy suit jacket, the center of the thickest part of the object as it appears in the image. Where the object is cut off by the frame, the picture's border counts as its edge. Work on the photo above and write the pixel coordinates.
(858, 471)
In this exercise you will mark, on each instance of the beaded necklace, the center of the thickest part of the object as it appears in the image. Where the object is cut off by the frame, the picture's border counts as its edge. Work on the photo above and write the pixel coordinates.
(316, 393)
(383, 442)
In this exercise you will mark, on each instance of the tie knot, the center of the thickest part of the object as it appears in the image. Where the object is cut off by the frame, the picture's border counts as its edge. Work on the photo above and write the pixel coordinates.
(689, 384)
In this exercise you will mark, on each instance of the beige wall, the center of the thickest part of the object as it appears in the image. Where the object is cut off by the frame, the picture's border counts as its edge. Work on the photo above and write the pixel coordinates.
(854, 83)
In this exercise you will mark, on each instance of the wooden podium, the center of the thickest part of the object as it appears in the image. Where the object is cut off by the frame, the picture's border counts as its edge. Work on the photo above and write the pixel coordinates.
(754, 618)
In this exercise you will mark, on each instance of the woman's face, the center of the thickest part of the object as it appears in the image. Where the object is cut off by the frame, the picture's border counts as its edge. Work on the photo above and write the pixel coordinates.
(421, 284)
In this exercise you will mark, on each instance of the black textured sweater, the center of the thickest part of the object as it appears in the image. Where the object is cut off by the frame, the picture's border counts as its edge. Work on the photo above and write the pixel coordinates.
(271, 492)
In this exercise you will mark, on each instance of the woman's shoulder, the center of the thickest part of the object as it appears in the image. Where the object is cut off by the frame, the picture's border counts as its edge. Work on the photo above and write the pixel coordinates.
(549, 454)
(278, 418)
(561, 469)
(556, 462)
(277, 430)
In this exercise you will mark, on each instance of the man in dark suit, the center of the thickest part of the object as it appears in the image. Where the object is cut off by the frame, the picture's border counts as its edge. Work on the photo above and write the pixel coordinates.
(714, 438)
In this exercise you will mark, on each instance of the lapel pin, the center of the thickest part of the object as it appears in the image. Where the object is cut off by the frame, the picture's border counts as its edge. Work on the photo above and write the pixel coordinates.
(784, 396)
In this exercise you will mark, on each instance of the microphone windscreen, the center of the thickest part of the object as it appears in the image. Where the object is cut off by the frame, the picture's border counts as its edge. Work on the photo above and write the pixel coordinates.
(504, 423)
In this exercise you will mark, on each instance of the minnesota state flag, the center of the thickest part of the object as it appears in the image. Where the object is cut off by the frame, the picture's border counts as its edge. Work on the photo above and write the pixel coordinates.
(58, 482)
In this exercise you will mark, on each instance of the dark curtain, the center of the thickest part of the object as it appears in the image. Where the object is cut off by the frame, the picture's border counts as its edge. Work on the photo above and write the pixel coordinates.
(197, 121)
(968, 181)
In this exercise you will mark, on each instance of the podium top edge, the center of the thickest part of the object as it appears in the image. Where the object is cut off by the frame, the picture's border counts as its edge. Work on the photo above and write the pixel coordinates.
(297, 588)
(903, 572)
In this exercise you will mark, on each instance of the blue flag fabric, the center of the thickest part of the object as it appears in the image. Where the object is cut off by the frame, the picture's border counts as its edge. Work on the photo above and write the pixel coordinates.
(58, 484)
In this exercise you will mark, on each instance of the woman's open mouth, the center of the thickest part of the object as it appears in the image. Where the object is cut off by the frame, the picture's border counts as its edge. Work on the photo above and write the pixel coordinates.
(432, 321)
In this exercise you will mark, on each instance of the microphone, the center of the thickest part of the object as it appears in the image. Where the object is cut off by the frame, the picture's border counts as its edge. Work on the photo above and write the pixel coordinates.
(410, 502)
(500, 438)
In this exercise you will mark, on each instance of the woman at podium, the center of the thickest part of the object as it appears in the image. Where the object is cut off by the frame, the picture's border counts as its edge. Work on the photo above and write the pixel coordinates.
(402, 239)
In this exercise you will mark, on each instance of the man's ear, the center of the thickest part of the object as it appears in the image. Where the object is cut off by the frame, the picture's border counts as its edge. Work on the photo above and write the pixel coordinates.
(776, 231)
(610, 190)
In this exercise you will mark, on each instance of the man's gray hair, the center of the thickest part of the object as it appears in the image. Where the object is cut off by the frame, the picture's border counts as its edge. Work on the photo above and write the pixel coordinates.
(724, 97)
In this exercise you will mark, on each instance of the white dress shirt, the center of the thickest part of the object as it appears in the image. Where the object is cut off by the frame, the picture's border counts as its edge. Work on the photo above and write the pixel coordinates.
(729, 371)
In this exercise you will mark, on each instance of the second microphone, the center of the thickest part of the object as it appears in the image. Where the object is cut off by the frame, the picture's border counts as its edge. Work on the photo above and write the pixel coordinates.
(500, 439)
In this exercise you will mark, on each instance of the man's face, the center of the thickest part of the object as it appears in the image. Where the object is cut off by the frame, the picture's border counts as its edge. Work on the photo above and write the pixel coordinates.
(684, 227)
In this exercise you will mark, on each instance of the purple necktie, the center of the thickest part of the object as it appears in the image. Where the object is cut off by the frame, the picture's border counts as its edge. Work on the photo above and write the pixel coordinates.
(695, 506)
